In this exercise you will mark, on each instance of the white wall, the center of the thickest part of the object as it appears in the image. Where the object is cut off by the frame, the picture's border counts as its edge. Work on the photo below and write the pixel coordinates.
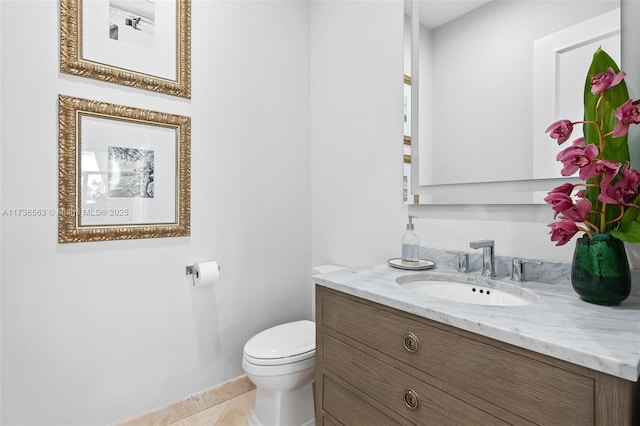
(358, 217)
(1, 156)
(96, 332)
(517, 230)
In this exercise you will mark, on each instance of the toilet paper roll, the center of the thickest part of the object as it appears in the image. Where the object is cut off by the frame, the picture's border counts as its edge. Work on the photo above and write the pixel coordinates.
(205, 273)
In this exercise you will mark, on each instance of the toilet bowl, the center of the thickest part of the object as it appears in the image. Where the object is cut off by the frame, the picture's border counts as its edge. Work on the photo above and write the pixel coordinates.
(280, 361)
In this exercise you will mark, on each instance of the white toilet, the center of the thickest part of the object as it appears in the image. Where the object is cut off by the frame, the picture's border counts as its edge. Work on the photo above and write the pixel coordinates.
(280, 361)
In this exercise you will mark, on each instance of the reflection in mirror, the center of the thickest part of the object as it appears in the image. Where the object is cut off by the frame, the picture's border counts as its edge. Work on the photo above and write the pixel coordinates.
(490, 77)
(406, 189)
(407, 198)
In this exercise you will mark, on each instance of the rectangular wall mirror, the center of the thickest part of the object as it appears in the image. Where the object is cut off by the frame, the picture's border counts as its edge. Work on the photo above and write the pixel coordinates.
(486, 79)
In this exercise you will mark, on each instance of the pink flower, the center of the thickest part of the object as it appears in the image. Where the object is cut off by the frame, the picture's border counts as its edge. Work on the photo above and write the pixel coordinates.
(576, 157)
(565, 188)
(626, 114)
(578, 212)
(559, 198)
(578, 142)
(562, 231)
(603, 81)
(560, 130)
(560, 202)
(624, 190)
(597, 167)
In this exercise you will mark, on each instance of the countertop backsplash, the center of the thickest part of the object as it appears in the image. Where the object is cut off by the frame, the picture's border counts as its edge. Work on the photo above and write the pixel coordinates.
(548, 271)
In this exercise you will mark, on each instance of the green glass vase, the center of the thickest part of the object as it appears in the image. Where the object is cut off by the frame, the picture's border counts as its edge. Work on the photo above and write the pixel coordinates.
(600, 271)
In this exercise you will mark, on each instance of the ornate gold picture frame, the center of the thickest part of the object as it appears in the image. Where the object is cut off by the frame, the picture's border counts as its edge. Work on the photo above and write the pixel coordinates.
(135, 43)
(123, 172)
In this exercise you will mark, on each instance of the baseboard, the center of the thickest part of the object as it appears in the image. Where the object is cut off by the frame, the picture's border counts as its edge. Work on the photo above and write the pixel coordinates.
(192, 404)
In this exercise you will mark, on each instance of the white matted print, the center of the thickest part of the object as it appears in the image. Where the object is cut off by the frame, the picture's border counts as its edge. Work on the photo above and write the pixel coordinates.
(135, 35)
(123, 172)
(139, 43)
(128, 172)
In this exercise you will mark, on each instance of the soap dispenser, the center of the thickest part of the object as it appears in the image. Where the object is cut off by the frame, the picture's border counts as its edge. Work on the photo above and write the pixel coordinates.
(410, 244)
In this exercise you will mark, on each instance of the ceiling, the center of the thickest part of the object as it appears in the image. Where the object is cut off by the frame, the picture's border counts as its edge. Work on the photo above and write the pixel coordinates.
(434, 13)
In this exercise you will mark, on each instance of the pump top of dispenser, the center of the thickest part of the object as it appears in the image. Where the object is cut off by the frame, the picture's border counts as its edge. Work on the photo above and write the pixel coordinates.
(410, 224)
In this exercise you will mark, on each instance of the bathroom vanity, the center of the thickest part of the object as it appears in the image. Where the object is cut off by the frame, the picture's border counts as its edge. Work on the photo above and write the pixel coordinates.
(386, 355)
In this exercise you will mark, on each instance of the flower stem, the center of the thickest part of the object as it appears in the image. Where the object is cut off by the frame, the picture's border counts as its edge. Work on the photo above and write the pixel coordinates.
(601, 104)
(619, 217)
(586, 231)
(590, 225)
(603, 222)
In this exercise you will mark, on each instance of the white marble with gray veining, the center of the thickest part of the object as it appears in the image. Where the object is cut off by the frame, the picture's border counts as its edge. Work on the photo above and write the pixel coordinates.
(559, 324)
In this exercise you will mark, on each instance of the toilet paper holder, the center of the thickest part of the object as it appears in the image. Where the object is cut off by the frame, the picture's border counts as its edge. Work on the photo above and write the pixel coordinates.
(190, 270)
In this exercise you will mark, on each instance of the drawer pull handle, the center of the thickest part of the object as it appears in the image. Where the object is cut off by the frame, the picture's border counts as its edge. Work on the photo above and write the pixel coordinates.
(411, 342)
(411, 399)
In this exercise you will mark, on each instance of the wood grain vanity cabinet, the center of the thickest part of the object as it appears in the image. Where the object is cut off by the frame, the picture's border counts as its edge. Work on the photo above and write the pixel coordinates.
(380, 366)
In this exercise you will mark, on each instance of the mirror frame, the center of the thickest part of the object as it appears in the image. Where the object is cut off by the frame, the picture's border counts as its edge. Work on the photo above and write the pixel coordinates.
(520, 191)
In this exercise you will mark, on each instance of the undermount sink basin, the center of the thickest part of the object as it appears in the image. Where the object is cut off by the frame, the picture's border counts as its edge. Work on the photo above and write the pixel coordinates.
(486, 292)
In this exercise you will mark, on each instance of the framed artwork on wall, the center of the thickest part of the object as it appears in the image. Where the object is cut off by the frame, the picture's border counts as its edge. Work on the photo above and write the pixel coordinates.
(138, 43)
(123, 172)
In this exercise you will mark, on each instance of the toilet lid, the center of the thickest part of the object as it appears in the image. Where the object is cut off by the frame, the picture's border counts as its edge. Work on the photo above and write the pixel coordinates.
(293, 341)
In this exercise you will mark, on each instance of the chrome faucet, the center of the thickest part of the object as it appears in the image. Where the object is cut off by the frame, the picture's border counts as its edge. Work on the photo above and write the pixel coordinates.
(488, 259)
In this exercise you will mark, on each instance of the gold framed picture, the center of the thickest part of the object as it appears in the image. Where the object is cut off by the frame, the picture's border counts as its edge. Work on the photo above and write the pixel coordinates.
(123, 172)
(138, 43)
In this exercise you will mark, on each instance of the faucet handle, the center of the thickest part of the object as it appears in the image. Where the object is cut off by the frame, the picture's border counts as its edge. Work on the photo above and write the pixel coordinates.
(517, 268)
(463, 260)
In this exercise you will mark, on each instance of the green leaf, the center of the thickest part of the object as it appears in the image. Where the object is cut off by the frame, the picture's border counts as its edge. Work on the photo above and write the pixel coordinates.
(631, 214)
(629, 233)
(616, 149)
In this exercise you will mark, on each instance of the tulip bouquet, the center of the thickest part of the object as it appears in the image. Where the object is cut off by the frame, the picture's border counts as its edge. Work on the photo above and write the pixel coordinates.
(607, 200)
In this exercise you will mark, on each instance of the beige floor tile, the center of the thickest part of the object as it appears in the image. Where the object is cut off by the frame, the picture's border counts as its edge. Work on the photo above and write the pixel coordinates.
(238, 410)
(206, 417)
(234, 412)
(201, 404)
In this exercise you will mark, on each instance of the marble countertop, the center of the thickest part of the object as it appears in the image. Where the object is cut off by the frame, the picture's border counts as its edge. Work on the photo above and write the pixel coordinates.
(559, 324)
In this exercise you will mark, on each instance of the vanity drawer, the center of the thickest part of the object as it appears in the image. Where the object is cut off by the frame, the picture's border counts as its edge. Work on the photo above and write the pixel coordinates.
(533, 390)
(327, 422)
(348, 408)
(402, 393)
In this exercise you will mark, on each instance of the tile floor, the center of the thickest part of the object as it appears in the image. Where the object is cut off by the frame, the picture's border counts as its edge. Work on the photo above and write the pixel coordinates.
(234, 412)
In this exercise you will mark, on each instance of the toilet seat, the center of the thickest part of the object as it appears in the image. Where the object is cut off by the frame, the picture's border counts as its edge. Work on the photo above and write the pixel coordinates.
(277, 370)
(282, 344)
(279, 361)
